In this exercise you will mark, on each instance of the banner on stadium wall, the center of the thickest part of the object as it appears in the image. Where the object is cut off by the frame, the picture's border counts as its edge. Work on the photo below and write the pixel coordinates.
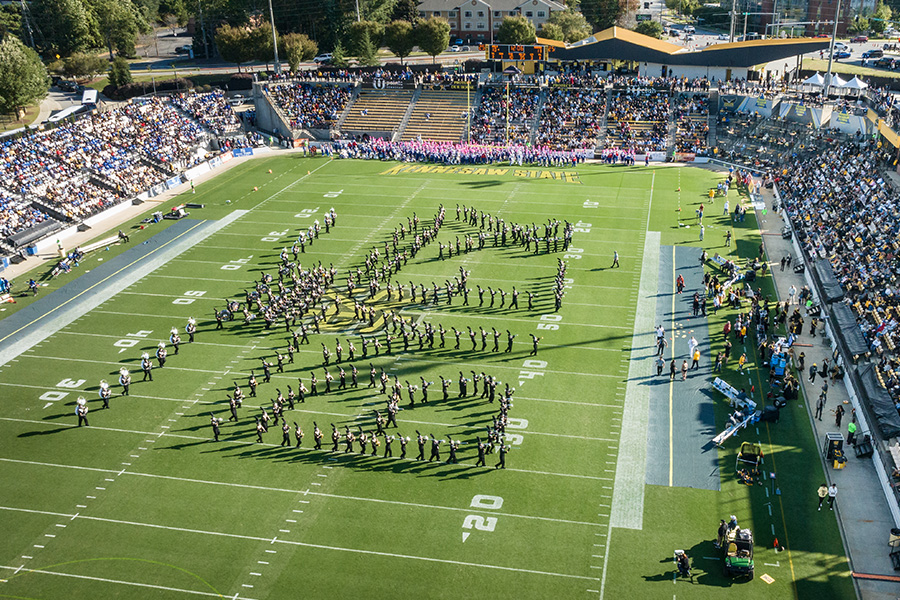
(462, 85)
(848, 123)
(299, 143)
(173, 182)
(888, 134)
(225, 157)
(685, 156)
(654, 156)
(384, 84)
(242, 152)
(760, 106)
(195, 172)
(872, 116)
(843, 117)
(729, 102)
(215, 162)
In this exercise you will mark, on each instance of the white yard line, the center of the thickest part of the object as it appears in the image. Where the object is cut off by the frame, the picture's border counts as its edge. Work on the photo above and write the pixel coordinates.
(119, 581)
(301, 544)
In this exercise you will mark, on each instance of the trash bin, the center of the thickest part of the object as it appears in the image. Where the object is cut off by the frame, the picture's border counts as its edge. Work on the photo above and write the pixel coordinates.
(31, 250)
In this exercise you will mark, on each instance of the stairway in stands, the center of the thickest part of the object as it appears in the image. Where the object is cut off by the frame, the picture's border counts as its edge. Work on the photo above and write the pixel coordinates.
(712, 138)
(377, 110)
(439, 115)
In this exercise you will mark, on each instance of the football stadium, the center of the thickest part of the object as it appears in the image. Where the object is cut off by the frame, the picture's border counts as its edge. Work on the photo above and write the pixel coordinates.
(564, 336)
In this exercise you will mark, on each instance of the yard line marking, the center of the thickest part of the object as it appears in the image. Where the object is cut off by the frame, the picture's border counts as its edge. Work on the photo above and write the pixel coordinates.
(307, 492)
(290, 520)
(262, 562)
(256, 574)
(60, 525)
(284, 530)
(308, 545)
(27, 557)
(38, 546)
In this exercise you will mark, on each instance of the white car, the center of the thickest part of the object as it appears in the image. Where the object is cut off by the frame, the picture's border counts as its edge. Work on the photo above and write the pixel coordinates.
(723, 36)
(453, 48)
(841, 46)
(323, 58)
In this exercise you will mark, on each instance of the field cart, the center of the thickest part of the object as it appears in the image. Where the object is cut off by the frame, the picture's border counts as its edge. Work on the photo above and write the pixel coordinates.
(739, 553)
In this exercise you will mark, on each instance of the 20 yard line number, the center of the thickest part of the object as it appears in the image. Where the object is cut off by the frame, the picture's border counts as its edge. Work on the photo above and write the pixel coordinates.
(478, 522)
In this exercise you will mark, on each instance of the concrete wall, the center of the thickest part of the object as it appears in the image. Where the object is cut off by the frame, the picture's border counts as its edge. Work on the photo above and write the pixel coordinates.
(691, 72)
(267, 118)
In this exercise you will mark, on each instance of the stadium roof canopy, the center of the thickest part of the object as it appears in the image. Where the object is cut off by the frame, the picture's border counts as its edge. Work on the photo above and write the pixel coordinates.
(616, 43)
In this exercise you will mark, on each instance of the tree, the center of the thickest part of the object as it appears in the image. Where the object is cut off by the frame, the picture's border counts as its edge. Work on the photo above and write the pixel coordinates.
(379, 11)
(602, 14)
(23, 78)
(297, 48)
(880, 18)
(173, 12)
(339, 56)
(652, 28)
(84, 66)
(398, 37)
(434, 36)
(516, 30)
(10, 20)
(119, 72)
(406, 10)
(364, 32)
(233, 44)
(552, 31)
(859, 25)
(260, 43)
(118, 23)
(368, 53)
(573, 24)
(65, 26)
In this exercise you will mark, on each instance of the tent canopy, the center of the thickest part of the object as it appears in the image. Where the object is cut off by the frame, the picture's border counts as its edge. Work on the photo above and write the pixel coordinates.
(855, 84)
(837, 82)
(816, 79)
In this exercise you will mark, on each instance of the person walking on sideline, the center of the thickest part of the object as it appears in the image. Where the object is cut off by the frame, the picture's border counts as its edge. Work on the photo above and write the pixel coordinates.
(832, 494)
(615, 262)
(822, 493)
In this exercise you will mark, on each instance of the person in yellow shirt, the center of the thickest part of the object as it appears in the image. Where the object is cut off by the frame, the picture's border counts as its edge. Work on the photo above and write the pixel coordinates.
(741, 362)
(696, 359)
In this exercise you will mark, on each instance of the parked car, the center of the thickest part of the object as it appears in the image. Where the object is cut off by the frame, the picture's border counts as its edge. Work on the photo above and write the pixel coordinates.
(323, 58)
(886, 62)
(689, 29)
(458, 42)
(184, 49)
(874, 53)
(824, 35)
(839, 54)
(841, 46)
(723, 36)
(453, 48)
(860, 39)
(67, 86)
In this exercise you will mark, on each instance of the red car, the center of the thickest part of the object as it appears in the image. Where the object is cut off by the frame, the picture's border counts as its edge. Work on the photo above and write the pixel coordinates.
(860, 39)
(823, 35)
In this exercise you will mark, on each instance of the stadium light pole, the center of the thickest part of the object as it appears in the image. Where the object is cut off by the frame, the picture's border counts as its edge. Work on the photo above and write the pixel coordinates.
(733, 15)
(837, 15)
(274, 39)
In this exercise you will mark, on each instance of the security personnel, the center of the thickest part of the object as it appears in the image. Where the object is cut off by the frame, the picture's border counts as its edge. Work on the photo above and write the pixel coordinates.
(105, 393)
(215, 426)
(147, 367)
(81, 410)
(124, 380)
(161, 354)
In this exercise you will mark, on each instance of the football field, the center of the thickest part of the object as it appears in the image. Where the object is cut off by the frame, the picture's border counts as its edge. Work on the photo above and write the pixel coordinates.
(599, 487)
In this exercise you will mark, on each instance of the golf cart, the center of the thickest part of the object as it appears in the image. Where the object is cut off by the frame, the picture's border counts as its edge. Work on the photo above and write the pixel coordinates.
(749, 458)
(739, 553)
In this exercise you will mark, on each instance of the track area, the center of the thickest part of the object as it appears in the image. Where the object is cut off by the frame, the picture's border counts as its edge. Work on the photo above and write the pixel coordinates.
(143, 503)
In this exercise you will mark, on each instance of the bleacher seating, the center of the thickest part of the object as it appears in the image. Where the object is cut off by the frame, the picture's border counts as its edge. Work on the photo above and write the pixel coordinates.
(639, 120)
(691, 122)
(571, 118)
(377, 110)
(438, 115)
(309, 106)
(489, 126)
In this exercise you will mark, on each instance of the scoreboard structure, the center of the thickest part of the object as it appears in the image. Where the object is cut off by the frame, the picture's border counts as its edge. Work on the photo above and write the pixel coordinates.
(515, 52)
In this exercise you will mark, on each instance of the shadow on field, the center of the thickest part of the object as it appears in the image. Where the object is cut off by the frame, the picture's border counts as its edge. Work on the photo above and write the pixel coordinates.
(706, 568)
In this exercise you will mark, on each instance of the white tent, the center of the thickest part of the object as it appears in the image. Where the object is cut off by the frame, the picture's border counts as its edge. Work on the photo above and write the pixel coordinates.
(855, 84)
(837, 82)
(815, 80)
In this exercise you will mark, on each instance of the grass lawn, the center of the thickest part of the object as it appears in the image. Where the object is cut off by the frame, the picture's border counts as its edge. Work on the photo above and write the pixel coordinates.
(8, 122)
(815, 64)
(143, 503)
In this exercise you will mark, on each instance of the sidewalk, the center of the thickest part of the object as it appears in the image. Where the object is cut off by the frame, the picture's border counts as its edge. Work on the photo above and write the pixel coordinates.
(862, 510)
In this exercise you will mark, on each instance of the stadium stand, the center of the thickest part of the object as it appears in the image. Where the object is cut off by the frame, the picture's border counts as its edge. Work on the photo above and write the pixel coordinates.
(309, 106)
(377, 110)
(439, 115)
(691, 122)
(489, 126)
(211, 110)
(638, 119)
(571, 118)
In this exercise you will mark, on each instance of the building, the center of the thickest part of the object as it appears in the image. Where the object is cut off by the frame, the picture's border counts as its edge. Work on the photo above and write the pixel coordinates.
(477, 21)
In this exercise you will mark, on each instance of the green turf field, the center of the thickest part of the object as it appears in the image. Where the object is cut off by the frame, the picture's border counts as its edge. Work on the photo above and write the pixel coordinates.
(143, 504)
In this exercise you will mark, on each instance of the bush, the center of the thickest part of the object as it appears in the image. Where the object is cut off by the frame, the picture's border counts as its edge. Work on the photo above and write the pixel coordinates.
(143, 88)
(240, 81)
